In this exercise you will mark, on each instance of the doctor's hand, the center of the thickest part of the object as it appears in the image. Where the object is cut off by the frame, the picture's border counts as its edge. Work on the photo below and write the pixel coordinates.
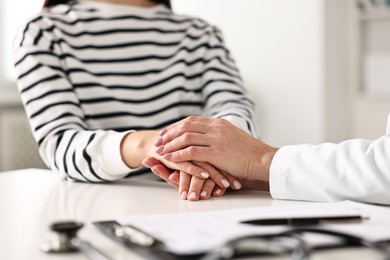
(219, 143)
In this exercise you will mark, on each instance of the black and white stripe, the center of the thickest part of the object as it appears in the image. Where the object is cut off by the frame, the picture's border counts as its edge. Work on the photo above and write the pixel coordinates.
(90, 72)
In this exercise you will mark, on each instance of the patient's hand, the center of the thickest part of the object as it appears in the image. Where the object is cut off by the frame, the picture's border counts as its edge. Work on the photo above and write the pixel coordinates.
(191, 187)
(197, 169)
(137, 146)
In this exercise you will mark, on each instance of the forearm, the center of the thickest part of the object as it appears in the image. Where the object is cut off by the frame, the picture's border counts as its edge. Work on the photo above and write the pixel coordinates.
(355, 169)
(92, 156)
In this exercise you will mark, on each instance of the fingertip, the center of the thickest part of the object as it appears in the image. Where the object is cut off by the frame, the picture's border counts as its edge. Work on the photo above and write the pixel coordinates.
(192, 196)
(237, 185)
(218, 192)
(155, 171)
(225, 183)
(204, 195)
(163, 132)
(158, 142)
(160, 149)
(146, 163)
(174, 178)
(183, 195)
(168, 157)
(205, 175)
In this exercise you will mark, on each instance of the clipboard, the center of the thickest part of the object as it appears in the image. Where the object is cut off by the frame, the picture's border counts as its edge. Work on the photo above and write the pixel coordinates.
(169, 226)
(156, 251)
(149, 247)
(139, 242)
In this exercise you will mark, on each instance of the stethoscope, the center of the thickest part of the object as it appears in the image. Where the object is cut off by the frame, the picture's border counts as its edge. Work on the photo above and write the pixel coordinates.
(65, 240)
(291, 243)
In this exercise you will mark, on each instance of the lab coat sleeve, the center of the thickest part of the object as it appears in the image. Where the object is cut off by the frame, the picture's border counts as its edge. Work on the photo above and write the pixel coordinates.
(356, 170)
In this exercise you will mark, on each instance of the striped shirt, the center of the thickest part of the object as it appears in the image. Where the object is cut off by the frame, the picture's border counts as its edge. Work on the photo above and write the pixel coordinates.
(90, 72)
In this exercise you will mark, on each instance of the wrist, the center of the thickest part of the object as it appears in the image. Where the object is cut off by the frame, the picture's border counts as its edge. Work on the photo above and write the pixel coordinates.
(266, 162)
(136, 146)
(263, 160)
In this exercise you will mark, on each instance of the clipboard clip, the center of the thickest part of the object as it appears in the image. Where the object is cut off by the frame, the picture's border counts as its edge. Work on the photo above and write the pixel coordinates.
(135, 236)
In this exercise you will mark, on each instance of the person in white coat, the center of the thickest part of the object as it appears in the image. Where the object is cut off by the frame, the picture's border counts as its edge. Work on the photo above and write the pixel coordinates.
(356, 169)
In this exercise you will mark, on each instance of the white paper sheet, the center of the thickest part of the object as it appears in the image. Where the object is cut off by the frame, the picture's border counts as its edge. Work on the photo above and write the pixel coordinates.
(189, 233)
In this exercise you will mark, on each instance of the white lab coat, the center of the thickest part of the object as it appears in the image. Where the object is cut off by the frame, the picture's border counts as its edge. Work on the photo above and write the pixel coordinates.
(356, 170)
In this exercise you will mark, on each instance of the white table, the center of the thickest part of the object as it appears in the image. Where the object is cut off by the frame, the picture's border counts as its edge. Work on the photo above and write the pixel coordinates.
(31, 199)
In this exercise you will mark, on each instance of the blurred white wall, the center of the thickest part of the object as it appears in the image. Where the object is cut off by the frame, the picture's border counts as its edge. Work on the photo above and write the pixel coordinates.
(279, 48)
(14, 14)
(298, 58)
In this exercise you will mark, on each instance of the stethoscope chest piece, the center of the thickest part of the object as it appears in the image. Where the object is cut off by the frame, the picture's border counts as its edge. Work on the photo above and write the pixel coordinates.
(61, 242)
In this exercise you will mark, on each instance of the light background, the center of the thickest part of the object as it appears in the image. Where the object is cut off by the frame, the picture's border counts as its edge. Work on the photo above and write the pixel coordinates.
(298, 59)
(278, 46)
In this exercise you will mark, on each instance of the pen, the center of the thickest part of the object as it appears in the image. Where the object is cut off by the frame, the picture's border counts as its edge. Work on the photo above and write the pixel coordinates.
(302, 221)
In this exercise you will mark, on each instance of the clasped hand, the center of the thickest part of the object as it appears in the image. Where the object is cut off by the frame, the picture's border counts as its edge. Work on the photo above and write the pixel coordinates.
(225, 152)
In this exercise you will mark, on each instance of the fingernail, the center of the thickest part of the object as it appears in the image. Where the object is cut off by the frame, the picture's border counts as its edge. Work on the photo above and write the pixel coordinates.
(237, 185)
(162, 132)
(167, 157)
(160, 149)
(205, 175)
(218, 191)
(173, 178)
(203, 193)
(146, 164)
(154, 171)
(158, 142)
(192, 195)
(183, 195)
(225, 183)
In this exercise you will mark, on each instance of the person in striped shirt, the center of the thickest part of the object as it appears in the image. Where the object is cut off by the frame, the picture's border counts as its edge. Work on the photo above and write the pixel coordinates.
(98, 79)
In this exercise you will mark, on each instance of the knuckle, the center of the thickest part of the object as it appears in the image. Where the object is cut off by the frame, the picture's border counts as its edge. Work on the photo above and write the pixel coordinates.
(220, 133)
(187, 167)
(180, 155)
(224, 122)
(209, 184)
(191, 151)
(166, 137)
(184, 187)
(220, 121)
(171, 144)
(184, 126)
(191, 118)
(219, 128)
(196, 184)
(181, 129)
(187, 138)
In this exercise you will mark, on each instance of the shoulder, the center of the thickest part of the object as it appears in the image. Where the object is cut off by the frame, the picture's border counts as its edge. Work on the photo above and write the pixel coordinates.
(204, 27)
(43, 22)
(193, 21)
(28, 28)
(62, 13)
(47, 14)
